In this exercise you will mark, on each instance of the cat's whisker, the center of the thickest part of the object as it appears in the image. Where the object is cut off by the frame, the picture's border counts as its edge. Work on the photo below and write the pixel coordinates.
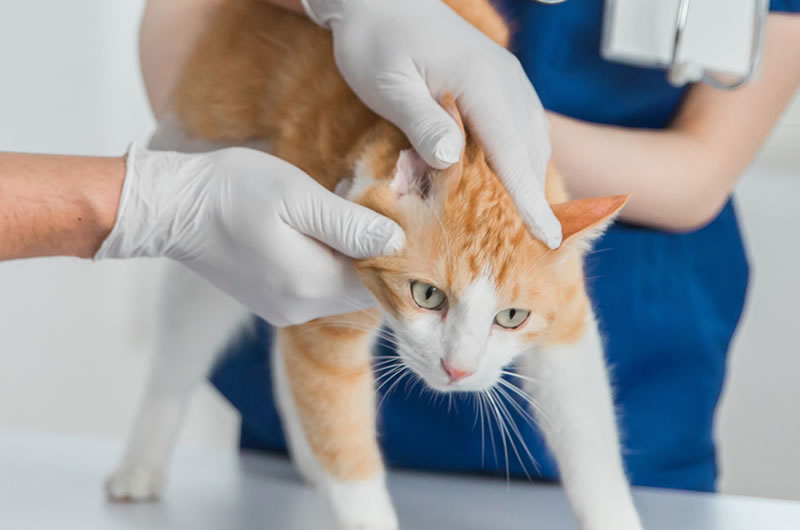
(403, 374)
(395, 379)
(485, 403)
(508, 399)
(502, 427)
(530, 400)
(386, 372)
(382, 362)
(417, 381)
(387, 375)
(523, 377)
(474, 397)
(479, 414)
(388, 366)
(512, 428)
(519, 408)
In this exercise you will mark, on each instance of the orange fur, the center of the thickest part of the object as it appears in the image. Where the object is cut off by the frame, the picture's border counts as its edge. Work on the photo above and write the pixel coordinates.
(263, 73)
(332, 387)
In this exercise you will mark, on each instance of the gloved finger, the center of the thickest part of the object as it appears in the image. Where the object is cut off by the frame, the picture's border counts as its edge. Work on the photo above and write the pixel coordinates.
(535, 130)
(325, 283)
(349, 228)
(347, 293)
(507, 153)
(434, 134)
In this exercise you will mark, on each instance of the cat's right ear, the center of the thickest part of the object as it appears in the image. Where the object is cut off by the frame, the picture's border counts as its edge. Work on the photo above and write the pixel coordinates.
(584, 220)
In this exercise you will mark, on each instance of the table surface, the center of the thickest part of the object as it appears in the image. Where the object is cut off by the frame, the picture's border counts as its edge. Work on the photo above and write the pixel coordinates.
(53, 481)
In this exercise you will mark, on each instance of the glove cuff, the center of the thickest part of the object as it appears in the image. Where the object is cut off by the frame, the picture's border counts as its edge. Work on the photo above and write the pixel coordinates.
(117, 244)
(323, 12)
(155, 209)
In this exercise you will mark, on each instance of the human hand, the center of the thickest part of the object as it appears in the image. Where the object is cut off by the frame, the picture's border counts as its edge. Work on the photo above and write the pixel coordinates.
(401, 57)
(253, 225)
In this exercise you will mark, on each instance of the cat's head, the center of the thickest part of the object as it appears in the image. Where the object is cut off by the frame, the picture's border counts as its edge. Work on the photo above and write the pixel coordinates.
(472, 288)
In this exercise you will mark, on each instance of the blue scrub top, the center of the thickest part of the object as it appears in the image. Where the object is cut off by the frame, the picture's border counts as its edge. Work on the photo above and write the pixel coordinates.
(668, 304)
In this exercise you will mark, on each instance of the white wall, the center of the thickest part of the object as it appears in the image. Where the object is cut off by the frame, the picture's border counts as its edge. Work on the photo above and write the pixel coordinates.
(73, 354)
(759, 422)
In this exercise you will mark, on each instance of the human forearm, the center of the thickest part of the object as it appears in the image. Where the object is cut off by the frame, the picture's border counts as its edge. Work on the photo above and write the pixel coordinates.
(681, 176)
(668, 174)
(57, 205)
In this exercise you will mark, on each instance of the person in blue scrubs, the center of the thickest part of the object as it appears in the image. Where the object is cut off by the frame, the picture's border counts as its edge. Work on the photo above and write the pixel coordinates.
(668, 281)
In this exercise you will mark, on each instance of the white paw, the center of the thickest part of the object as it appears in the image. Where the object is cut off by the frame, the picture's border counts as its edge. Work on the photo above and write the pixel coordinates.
(362, 505)
(134, 484)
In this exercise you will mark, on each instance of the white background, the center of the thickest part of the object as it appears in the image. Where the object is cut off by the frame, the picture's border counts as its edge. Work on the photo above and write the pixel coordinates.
(74, 336)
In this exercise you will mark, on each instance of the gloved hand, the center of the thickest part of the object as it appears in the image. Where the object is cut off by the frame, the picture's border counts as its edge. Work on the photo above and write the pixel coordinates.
(401, 57)
(245, 221)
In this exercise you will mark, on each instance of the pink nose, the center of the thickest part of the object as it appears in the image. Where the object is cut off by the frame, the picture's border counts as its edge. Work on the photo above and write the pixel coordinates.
(454, 373)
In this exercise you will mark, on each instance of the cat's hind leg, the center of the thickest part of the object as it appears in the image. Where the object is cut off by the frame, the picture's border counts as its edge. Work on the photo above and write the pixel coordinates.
(195, 322)
(326, 397)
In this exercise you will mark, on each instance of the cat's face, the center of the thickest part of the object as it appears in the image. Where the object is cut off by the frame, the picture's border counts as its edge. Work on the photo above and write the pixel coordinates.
(472, 289)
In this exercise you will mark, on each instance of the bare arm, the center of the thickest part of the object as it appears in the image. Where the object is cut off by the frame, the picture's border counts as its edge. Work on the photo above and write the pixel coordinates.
(57, 205)
(681, 177)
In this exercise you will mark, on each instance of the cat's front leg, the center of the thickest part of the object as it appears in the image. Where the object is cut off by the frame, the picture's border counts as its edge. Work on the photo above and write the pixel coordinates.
(578, 420)
(325, 392)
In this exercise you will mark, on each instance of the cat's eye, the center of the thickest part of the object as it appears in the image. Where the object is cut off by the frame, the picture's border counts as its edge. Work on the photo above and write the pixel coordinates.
(511, 318)
(427, 296)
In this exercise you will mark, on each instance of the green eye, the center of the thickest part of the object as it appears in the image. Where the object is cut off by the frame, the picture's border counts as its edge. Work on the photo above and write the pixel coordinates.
(427, 296)
(511, 318)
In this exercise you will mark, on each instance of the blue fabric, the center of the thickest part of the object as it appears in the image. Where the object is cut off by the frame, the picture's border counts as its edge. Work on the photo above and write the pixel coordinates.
(786, 6)
(668, 304)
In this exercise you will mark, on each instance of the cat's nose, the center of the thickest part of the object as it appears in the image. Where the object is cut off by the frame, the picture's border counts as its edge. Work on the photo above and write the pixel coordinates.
(454, 373)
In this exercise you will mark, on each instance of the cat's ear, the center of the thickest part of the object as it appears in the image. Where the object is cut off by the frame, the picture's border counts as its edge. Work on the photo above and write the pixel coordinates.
(584, 220)
(411, 173)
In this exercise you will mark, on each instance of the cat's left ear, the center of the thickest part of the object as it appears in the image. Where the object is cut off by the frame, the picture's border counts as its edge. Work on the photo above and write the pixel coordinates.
(584, 220)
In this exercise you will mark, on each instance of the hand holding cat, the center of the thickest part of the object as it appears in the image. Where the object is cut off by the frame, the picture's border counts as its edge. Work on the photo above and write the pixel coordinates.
(251, 224)
(400, 57)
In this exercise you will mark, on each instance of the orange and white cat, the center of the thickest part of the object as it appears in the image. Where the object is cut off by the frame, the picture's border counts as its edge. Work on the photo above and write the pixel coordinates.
(471, 291)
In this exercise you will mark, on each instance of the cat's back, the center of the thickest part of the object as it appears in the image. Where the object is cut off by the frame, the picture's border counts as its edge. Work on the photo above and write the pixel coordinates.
(258, 69)
(250, 56)
(260, 72)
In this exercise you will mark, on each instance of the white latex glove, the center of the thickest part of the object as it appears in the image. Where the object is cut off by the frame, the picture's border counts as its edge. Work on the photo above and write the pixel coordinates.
(245, 221)
(400, 57)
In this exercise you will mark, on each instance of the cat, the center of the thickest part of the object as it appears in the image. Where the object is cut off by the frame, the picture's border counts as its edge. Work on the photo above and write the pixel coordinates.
(471, 291)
